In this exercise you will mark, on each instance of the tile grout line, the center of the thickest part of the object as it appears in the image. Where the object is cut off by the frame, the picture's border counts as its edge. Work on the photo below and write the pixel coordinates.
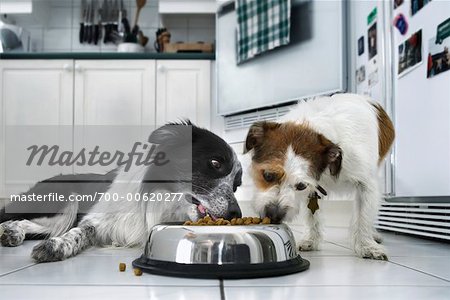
(17, 270)
(222, 290)
(401, 265)
(420, 271)
(336, 285)
(105, 285)
(339, 245)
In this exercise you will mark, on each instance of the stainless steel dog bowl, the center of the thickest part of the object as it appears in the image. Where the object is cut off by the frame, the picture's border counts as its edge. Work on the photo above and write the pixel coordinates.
(221, 251)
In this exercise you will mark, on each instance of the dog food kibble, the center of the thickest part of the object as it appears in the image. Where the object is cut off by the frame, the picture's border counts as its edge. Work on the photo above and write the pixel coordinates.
(235, 221)
(266, 220)
(137, 272)
(122, 267)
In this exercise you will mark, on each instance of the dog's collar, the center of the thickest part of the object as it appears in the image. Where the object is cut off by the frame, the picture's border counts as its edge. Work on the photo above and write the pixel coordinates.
(321, 190)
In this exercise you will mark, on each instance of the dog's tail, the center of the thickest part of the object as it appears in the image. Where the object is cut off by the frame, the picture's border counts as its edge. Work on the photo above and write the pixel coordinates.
(64, 220)
(386, 132)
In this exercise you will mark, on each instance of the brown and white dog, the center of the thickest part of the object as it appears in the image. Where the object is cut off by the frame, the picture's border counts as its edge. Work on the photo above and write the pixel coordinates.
(333, 144)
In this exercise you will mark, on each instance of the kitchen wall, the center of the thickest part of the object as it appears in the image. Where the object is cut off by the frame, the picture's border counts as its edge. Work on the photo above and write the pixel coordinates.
(54, 26)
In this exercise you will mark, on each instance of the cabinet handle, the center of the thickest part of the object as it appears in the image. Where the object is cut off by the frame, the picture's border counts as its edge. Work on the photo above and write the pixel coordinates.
(161, 68)
(68, 67)
(78, 68)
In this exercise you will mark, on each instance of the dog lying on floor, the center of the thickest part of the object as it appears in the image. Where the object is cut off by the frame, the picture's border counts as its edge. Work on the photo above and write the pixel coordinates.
(214, 174)
(333, 144)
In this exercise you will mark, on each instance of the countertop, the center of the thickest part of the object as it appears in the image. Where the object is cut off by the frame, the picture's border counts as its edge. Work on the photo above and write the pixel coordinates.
(107, 55)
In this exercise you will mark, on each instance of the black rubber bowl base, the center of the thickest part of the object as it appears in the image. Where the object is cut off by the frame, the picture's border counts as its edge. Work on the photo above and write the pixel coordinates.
(210, 271)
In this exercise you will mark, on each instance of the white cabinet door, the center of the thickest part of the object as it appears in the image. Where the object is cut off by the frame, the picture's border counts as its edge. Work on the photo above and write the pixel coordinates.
(114, 100)
(183, 90)
(35, 95)
(115, 92)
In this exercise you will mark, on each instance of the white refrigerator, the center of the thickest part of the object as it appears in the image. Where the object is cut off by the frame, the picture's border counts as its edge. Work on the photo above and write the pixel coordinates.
(398, 58)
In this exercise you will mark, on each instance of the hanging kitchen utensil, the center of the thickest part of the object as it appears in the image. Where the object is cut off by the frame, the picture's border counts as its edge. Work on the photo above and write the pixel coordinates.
(83, 16)
(87, 25)
(122, 15)
(106, 14)
(140, 4)
(124, 11)
(91, 28)
(95, 26)
(115, 16)
(100, 20)
(126, 26)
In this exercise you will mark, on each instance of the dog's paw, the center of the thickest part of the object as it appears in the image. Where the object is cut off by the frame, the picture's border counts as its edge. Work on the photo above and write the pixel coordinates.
(372, 251)
(308, 245)
(48, 250)
(13, 235)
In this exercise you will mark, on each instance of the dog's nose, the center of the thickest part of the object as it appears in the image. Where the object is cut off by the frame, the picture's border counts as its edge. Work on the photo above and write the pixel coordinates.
(275, 212)
(234, 211)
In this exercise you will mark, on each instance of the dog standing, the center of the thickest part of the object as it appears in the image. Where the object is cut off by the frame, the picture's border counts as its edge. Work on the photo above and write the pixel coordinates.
(333, 144)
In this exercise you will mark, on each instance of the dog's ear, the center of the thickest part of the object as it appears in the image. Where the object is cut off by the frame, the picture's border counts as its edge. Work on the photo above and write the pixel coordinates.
(255, 134)
(172, 133)
(334, 159)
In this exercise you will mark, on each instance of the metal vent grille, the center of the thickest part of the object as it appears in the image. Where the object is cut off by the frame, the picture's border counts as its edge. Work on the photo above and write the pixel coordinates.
(245, 120)
(424, 219)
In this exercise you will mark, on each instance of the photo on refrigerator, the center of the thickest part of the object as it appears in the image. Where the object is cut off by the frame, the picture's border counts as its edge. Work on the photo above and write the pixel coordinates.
(397, 3)
(417, 5)
(372, 40)
(438, 57)
(410, 53)
(438, 50)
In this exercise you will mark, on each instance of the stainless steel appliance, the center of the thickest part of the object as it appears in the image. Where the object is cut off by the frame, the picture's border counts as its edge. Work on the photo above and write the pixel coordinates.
(313, 63)
(13, 38)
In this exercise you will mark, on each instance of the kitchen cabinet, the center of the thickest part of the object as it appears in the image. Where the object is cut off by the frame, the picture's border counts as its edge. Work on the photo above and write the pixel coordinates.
(115, 92)
(183, 91)
(188, 7)
(114, 106)
(16, 7)
(34, 93)
(86, 95)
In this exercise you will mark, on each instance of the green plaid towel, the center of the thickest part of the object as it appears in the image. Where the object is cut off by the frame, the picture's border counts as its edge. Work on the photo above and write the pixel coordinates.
(262, 25)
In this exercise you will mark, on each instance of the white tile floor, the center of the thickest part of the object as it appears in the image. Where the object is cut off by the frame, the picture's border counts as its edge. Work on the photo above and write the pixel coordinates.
(418, 269)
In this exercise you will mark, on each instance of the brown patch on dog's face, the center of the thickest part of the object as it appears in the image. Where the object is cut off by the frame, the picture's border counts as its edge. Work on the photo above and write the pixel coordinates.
(261, 171)
(270, 141)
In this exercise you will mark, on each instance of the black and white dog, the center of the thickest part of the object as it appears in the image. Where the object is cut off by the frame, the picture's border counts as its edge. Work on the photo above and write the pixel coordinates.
(215, 174)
